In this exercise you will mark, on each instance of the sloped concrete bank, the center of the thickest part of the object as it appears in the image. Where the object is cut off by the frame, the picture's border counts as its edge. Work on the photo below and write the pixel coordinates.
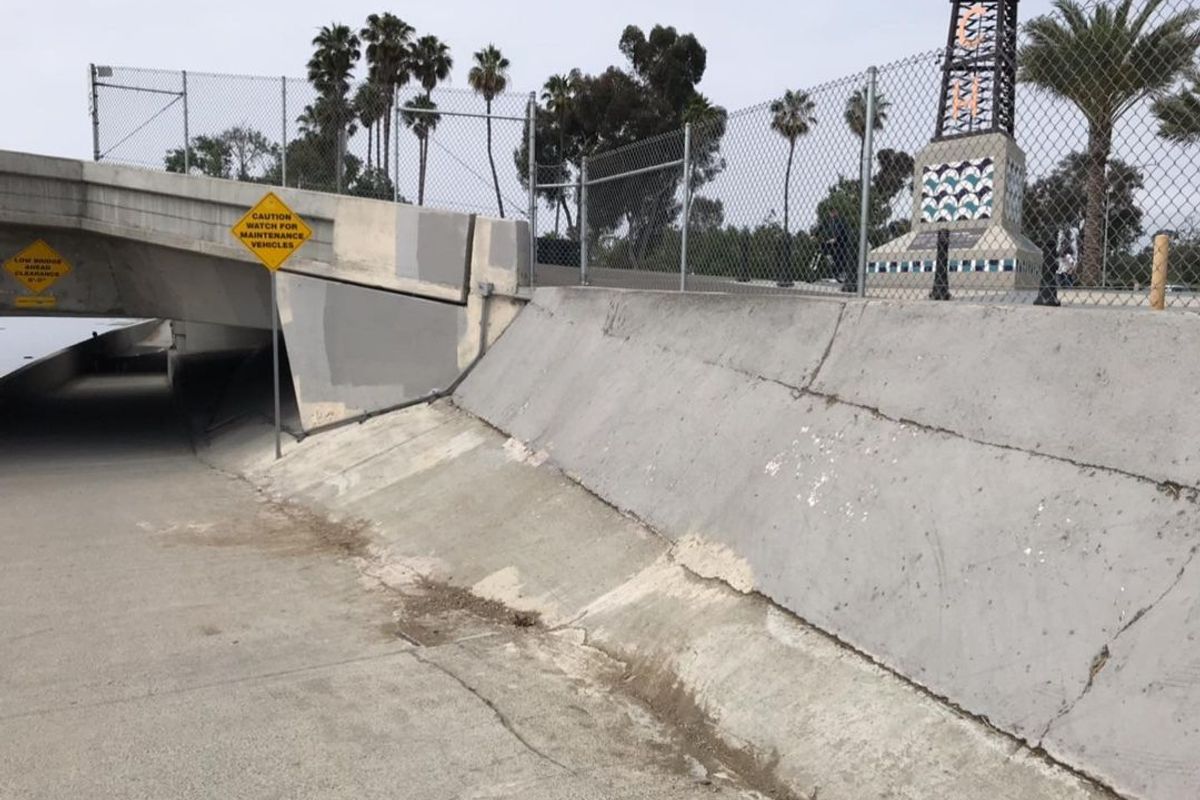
(996, 503)
(450, 499)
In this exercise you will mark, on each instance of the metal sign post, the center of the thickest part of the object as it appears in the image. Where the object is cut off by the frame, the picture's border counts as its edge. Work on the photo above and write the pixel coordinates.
(275, 361)
(273, 232)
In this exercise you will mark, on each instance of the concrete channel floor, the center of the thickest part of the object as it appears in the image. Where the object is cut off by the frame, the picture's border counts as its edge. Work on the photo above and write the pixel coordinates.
(165, 632)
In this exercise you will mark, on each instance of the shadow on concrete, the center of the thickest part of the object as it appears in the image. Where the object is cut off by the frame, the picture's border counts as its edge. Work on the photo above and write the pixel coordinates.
(95, 417)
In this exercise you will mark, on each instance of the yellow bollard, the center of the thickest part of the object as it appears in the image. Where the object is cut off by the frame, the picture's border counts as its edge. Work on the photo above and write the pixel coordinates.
(1158, 284)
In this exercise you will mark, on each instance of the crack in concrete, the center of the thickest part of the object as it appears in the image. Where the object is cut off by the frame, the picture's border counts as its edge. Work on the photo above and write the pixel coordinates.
(1105, 655)
(1034, 750)
(1175, 490)
(837, 327)
(500, 716)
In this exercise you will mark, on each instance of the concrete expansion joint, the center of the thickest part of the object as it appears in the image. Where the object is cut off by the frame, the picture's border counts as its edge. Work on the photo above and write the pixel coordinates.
(500, 716)
(1170, 488)
(1105, 655)
(837, 327)
(1174, 490)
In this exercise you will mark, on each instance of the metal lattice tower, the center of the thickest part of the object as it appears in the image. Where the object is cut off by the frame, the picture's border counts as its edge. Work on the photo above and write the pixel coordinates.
(979, 77)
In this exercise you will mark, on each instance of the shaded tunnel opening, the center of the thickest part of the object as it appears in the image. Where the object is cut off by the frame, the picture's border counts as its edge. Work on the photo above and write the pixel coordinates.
(146, 390)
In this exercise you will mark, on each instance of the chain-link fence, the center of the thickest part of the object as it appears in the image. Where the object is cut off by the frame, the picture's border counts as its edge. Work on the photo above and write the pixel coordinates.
(448, 148)
(1066, 174)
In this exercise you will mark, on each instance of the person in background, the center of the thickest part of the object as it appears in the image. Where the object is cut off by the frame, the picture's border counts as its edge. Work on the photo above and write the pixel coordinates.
(1066, 269)
(839, 249)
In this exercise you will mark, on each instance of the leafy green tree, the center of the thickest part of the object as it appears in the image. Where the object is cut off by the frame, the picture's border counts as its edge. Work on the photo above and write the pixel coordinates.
(388, 52)
(1055, 206)
(375, 183)
(792, 116)
(310, 165)
(489, 78)
(1105, 60)
(421, 117)
(647, 101)
(330, 70)
(251, 152)
(707, 215)
(207, 155)
(892, 176)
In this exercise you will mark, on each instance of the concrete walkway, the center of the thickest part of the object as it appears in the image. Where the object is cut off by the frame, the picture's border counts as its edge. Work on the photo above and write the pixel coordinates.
(165, 632)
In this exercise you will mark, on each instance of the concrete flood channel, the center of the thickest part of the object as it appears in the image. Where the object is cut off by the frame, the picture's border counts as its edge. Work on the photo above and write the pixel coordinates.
(655, 546)
(170, 631)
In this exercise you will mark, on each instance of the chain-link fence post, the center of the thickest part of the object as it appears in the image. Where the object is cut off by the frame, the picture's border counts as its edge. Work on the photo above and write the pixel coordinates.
(95, 113)
(283, 138)
(396, 149)
(339, 153)
(533, 179)
(187, 135)
(687, 206)
(868, 164)
(583, 222)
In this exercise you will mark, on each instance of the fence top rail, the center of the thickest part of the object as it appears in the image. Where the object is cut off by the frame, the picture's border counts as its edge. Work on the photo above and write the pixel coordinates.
(446, 91)
(634, 173)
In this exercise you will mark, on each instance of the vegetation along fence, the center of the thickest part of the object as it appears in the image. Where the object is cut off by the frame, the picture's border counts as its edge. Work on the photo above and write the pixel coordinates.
(1050, 159)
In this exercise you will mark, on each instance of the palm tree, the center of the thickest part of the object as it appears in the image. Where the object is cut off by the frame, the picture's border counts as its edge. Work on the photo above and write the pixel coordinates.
(558, 94)
(489, 77)
(388, 40)
(430, 63)
(421, 117)
(1105, 63)
(330, 70)
(856, 113)
(371, 106)
(792, 116)
(1179, 116)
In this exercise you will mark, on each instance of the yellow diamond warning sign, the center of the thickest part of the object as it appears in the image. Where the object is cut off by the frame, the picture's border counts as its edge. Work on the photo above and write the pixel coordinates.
(37, 267)
(272, 231)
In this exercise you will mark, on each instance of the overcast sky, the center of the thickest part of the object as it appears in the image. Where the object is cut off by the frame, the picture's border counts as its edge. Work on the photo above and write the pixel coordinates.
(756, 47)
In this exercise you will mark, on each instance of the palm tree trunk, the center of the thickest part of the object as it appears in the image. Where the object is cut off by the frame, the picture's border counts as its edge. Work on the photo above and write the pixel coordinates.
(787, 215)
(492, 161)
(421, 170)
(1091, 261)
(370, 145)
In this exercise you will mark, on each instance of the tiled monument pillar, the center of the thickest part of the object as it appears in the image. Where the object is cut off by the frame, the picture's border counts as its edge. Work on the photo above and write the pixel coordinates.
(971, 179)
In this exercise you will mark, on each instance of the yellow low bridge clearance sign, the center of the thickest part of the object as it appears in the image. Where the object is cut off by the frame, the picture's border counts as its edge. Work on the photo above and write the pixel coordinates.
(38, 267)
(272, 231)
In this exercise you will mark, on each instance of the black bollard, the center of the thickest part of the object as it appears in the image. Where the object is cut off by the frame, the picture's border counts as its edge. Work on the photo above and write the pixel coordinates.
(849, 274)
(744, 261)
(941, 277)
(1048, 290)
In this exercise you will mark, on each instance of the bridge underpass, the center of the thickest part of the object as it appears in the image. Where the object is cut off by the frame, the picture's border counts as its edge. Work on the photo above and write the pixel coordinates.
(384, 306)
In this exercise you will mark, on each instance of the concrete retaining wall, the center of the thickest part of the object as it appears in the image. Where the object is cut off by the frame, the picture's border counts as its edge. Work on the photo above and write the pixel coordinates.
(973, 496)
